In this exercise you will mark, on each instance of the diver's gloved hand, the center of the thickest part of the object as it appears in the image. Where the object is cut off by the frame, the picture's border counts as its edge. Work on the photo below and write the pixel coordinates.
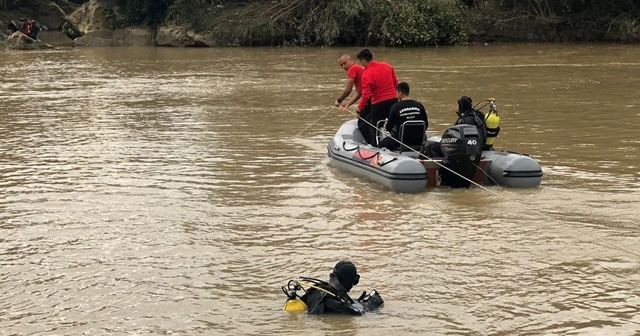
(371, 300)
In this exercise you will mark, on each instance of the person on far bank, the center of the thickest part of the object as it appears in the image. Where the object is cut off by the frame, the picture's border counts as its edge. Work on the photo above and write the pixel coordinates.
(404, 110)
(378, 88)
(34, 30)
(25, 26)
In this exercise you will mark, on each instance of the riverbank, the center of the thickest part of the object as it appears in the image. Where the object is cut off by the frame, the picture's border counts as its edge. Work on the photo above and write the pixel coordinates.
(304, 23)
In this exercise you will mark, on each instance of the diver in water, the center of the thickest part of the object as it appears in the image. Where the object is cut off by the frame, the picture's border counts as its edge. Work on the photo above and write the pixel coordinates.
(331, 297)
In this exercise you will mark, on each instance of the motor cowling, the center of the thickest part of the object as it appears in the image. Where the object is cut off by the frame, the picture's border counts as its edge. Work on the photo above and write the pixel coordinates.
(462, 149)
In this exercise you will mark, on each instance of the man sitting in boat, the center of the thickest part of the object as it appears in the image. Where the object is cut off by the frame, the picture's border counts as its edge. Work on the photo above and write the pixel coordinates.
(404, 110)
(331, 297)
(466, 115)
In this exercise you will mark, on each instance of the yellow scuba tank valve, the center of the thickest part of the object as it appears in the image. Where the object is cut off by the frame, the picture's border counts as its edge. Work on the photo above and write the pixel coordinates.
(293, 303)
(492, 123)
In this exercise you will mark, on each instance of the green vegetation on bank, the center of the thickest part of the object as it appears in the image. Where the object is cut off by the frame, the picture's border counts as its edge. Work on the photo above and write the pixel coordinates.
(395, 23)
(381, 22)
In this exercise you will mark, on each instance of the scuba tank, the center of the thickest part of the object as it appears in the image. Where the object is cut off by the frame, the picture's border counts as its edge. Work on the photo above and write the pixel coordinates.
(492, 123)
(294, 303)
(462, 149)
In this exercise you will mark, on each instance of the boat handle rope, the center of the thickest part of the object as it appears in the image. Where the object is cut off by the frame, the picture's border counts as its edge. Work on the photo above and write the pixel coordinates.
(367, 158)
(349, 150)
(373, 156)
(385, 163)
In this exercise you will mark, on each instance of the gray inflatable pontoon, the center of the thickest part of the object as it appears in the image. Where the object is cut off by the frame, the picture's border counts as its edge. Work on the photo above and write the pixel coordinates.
(405, 173)
(513, 170)
(398, 172)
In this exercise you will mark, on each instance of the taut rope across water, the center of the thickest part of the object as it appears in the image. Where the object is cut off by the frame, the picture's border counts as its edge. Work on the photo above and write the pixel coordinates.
(597, 240)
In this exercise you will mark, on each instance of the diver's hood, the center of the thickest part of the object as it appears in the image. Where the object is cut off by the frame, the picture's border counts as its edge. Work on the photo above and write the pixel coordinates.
(345, 275)
(464, 105)
(335, 283)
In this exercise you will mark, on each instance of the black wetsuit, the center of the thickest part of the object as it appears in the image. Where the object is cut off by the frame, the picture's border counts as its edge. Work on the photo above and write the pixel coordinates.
(330, 301)
(400, 112)
(323, 298)
(432, 149)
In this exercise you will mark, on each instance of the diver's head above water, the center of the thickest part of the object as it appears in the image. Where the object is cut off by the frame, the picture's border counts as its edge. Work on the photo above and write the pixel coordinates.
(344, 276)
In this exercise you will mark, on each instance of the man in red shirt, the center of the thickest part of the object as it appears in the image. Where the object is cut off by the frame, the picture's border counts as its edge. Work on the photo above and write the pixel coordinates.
(354, 79)
(378, 88)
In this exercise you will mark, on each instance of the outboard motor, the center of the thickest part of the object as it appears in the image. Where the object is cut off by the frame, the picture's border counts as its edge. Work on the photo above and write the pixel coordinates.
(462, 149)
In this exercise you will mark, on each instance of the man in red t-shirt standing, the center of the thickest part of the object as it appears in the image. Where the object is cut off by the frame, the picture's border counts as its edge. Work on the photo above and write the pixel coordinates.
(378, 89)
(354, 79)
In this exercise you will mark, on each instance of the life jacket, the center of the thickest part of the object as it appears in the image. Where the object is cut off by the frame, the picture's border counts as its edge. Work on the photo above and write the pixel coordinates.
(492, 123)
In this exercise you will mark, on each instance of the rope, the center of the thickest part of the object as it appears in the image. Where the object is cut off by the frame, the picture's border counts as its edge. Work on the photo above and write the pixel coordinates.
(313, 123)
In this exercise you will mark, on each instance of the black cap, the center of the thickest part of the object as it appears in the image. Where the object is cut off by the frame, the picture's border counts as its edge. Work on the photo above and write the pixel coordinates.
(346, 273)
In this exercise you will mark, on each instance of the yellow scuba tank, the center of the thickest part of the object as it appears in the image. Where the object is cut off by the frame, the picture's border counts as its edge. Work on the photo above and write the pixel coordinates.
(294, 305)
(492, 123)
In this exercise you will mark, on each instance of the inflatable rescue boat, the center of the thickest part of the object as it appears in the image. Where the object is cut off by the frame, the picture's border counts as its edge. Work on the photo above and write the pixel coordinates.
(410, 172)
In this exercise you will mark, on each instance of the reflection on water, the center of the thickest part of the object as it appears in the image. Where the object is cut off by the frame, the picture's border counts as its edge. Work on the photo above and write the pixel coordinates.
(148, 190)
